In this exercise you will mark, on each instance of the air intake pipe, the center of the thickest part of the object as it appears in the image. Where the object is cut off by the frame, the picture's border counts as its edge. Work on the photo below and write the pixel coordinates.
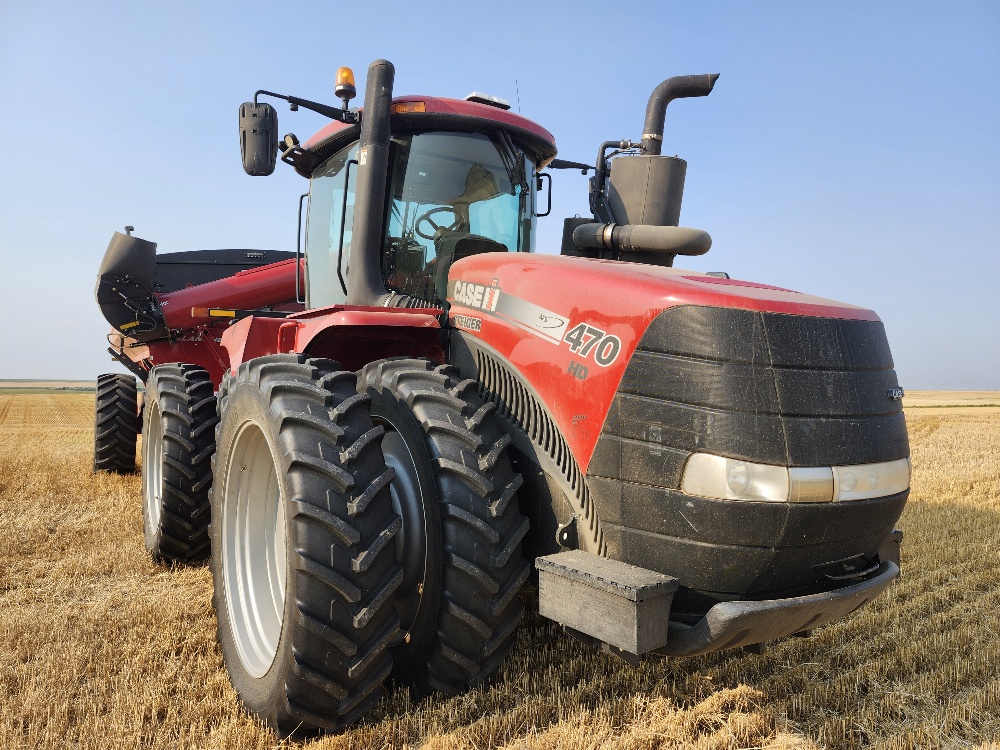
(678, 87)
(634, 242)
(364, 283)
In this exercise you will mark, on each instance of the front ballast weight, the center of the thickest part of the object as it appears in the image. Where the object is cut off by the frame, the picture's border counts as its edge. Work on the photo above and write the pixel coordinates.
(626, 608)
(622, 605)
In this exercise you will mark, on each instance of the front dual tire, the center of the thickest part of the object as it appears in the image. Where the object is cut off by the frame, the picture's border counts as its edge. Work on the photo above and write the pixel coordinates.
(362, 527)
(303, 563)
(462, 529)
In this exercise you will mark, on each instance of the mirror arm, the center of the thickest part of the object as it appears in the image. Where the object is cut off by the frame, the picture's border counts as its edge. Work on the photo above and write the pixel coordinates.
(340, 115)
(563, 164)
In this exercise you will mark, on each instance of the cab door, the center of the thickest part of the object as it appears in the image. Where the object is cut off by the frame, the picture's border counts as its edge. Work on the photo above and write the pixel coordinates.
(329, 227)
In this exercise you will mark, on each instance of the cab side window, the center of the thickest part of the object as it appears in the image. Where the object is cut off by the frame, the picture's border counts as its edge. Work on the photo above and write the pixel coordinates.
(328, 229)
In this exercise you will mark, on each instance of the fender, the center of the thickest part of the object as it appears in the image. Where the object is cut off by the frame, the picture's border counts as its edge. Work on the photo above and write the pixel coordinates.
(353, 336)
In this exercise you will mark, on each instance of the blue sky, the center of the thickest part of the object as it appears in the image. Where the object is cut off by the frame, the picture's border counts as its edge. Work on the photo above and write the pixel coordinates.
(849, 150)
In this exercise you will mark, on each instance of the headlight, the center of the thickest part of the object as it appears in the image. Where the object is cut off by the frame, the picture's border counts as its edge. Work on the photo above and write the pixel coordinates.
(871, 480)
(724, 478)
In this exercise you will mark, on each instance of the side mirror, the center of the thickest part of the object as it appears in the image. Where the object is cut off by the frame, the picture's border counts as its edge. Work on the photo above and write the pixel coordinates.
(258, 138)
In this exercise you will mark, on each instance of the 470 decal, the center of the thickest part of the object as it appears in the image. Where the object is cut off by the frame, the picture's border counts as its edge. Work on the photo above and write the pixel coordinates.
(586, 341)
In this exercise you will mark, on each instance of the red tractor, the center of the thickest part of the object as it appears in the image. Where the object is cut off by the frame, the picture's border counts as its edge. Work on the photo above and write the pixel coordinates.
(383, 441)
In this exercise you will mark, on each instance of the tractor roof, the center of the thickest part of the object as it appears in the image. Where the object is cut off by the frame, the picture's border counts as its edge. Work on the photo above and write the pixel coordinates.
(443, 114)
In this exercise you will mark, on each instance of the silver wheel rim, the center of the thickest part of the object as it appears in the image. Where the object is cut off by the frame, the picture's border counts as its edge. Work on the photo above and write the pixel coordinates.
(253, 550)
(152, 468)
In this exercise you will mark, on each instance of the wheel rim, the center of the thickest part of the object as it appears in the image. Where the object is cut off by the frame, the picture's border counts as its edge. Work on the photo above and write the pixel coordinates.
(253, 550)
(411, 539)
(152, 468)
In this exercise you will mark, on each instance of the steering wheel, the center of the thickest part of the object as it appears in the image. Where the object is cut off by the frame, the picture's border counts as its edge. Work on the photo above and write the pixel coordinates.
(436, 228)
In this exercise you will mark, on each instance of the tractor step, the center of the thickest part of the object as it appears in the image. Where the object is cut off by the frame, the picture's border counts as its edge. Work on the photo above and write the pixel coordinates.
(611, 601)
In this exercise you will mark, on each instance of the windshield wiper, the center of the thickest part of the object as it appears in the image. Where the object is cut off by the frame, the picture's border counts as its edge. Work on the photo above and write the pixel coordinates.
(514, 166)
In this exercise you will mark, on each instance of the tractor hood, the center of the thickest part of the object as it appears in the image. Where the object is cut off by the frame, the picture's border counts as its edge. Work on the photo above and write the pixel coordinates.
(570, 326)
(631, 380)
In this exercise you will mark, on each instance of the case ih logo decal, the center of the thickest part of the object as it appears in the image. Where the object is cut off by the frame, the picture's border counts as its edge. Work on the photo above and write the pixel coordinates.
(584, 340)
(514, 310)
(475, 295)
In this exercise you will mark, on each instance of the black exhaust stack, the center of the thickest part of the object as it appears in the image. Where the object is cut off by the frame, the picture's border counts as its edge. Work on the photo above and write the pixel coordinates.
(648, 188)
(364, 284)
(678, 87)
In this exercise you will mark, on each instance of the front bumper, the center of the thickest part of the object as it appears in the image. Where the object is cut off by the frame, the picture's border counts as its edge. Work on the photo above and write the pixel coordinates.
(743, 623)
(629, 608)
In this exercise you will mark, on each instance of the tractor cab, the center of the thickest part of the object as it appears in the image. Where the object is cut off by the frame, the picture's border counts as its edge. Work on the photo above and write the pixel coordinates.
(449, 195)
(440, 180)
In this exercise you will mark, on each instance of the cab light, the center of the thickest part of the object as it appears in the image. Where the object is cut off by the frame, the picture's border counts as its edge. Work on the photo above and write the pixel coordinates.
(344, 88)
(724, 478)
(345, 76)
(402, 108)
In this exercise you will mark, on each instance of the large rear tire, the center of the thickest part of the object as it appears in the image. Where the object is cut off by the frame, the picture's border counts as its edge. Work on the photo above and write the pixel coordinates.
(178, 441)
(302, 539)
(462, 527)
(116, 424)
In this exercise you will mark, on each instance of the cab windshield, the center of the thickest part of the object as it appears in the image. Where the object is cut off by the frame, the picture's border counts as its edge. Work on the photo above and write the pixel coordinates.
(452, 195)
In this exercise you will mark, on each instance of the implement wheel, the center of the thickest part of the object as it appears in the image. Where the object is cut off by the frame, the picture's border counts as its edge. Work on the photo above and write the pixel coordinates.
(178, 441)
(116, 424)
(462, 528)
(302, 537)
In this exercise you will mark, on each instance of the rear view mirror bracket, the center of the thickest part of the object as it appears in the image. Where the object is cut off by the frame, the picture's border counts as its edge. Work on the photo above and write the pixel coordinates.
(259, 143)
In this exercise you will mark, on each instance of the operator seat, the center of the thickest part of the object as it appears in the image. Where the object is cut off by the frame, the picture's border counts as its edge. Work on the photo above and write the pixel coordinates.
(452, 246)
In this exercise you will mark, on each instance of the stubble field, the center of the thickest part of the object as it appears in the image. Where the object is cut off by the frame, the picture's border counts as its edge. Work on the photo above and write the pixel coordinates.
(101, 648)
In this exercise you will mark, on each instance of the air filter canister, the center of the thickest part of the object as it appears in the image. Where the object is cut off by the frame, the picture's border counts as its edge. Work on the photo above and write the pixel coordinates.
(647, 189)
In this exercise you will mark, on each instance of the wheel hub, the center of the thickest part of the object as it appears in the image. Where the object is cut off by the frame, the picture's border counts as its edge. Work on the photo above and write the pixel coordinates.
(411, 539)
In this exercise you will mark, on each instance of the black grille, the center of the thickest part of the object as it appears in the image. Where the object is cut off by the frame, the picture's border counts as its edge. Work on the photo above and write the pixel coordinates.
(516, 403)
(762, 387)
(757, 386)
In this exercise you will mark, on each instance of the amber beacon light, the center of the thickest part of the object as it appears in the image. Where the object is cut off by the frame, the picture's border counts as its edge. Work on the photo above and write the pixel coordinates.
(345, 89)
